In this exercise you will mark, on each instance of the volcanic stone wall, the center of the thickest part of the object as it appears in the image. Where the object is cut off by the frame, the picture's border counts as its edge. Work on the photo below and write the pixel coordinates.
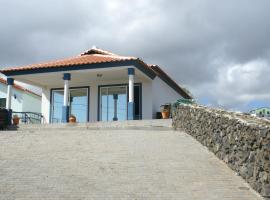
(241, 141)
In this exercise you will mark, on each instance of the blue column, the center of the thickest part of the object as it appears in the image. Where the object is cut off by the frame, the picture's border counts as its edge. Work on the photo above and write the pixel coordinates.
(131, 111)
(115, 98)
(65, 108)
(131, 73)
(10, 83)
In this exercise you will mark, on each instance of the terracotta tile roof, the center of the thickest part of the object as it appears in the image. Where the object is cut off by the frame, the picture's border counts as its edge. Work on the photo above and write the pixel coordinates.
(92, 56)
(18, 87)
(98, 56)
(167, 79)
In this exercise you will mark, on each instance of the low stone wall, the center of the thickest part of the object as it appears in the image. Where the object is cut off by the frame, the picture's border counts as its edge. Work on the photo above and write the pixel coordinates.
(241, 141)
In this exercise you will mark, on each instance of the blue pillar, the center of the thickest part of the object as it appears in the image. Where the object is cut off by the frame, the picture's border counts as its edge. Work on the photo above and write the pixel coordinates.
(65, 108)
(131, 111)
(10, 83)
(131, 73)
(115, 98)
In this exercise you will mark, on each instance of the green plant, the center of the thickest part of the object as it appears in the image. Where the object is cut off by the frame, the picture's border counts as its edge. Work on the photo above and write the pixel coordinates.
(165, 108)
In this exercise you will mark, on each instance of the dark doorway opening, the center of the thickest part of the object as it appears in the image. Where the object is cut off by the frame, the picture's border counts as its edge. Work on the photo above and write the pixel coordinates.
(137, 102)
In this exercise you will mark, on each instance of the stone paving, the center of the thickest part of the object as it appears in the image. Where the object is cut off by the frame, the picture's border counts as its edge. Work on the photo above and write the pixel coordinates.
(72, 164)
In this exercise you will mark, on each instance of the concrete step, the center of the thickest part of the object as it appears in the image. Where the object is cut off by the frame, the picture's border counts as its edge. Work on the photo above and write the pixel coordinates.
(157, 124)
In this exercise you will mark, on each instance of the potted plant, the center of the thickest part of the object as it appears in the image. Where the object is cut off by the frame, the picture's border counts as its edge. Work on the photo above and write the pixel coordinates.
(72, 119)
(16, 120)
(165, 111)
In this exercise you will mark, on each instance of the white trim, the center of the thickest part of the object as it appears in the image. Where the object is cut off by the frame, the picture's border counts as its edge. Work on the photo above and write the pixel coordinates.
(131, 88)
(9, 93)
(66, 93)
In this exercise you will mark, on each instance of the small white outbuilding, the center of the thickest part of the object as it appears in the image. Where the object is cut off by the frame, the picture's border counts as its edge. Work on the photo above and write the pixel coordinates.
(22, 99)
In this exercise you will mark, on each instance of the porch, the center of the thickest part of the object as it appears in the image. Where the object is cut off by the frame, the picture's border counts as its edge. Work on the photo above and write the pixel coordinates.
(107, 94)
(98, 85)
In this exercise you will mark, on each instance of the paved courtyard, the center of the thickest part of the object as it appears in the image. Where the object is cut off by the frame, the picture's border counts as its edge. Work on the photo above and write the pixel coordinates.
(113, 164)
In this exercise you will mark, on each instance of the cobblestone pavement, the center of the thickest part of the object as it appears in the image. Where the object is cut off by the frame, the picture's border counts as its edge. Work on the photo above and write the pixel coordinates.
(113, 164)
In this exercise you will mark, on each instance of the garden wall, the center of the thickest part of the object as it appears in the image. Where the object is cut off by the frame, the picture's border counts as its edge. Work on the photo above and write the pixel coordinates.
(241, 141)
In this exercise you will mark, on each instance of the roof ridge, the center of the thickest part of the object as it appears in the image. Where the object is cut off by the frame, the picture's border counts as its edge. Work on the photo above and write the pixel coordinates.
(115, 56)
(95, 50)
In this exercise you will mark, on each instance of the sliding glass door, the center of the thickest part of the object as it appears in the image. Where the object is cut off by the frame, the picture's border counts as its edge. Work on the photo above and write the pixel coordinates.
(79, 104)
(113, 103)
(56, 106)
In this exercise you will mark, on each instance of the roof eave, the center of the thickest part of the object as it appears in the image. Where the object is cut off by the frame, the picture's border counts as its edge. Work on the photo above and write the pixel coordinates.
(167, 79)
(136, 62)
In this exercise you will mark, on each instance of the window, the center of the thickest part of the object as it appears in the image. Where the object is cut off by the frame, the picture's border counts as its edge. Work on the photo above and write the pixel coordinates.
(2, 102)
(79, 105)
(107, 107)
(116, 109)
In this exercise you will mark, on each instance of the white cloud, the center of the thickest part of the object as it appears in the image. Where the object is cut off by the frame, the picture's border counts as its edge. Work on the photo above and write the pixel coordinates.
(238, 84)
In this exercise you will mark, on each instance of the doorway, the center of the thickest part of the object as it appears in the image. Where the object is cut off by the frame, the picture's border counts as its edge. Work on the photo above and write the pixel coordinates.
(113, 101)
(79, 104)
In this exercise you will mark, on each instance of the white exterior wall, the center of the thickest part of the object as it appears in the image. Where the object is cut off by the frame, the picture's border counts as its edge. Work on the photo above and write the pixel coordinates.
(147, 100)
(154, 94)
(16, 104)
(31, 103)
(45, 104)
(162, 93)
(24, 101)
(93, 104)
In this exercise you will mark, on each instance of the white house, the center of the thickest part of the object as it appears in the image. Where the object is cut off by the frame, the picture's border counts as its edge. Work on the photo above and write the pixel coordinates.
(22, 99)
(99, 86)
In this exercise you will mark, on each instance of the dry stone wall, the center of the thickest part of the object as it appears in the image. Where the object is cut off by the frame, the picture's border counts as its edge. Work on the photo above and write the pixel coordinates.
(241, 141)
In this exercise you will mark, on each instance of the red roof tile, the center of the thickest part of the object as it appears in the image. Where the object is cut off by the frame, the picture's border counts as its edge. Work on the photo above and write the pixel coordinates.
(95, 56)
(92, 56)
(18, 87)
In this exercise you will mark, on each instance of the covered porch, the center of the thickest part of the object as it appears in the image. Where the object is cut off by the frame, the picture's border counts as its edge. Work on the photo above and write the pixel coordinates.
(103, 94)
(98, 85)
